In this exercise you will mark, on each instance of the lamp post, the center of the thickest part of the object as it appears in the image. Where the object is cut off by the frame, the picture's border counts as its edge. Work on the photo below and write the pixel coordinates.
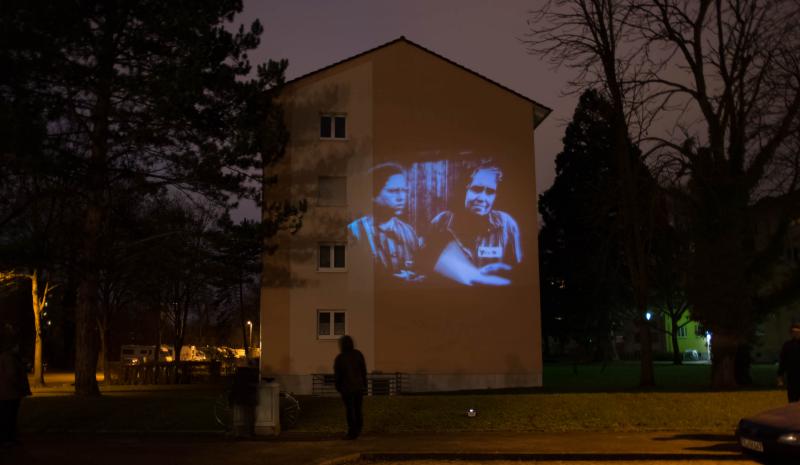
(249, 337)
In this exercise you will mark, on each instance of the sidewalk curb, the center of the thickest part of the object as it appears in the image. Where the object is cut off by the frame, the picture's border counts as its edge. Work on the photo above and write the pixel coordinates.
(537, 457)
(343, 459)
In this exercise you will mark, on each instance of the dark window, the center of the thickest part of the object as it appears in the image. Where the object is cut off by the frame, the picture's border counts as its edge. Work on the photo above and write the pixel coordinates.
(324, 326)
(331, 324)
(338, 256)
(699, 330)
(338, 324)
(333, 126)
(339, 127)
(325, 126)
(332, 257)
(324, 256)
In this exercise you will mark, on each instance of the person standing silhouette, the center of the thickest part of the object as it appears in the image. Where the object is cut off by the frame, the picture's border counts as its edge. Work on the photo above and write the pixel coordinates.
(13, 386)
(350, 372)
(789, 365)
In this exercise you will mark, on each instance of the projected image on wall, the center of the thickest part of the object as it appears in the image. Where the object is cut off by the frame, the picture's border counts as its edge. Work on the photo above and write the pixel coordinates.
(394, 243)
(439, 221)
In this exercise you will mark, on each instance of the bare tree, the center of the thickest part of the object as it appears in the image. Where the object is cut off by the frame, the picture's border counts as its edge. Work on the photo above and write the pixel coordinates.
(40, 290)
(724, 77)
(733, 70)
(594, 38)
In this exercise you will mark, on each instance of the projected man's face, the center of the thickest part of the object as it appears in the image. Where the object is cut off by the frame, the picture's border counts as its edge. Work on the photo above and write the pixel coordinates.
(481, 192)
(393, 195)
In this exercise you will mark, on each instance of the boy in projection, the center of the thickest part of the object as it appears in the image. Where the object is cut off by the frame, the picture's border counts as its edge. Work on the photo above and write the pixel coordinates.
(480, 244)
(393, 242)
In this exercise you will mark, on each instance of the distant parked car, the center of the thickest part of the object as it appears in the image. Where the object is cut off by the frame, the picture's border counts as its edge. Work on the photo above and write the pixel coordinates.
(192, 354)
(137, 354)
(774, 434)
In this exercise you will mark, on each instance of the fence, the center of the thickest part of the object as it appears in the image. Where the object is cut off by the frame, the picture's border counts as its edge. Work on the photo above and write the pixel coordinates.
(378, 384)
(169, 373)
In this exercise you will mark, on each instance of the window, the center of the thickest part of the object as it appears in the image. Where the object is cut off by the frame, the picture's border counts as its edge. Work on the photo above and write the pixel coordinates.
(331, 324)
(699, 330)
(333, 127)
(332, 257)
(332, 191)
(682, 331)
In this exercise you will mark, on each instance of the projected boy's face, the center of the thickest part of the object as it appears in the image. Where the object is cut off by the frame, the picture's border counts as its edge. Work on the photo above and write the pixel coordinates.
(481, 192)
(393, 195)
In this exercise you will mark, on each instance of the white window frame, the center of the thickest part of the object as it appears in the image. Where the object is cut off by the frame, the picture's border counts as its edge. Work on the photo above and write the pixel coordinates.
(682, 331)
(333, 117)
(331, 335)
(332, 268)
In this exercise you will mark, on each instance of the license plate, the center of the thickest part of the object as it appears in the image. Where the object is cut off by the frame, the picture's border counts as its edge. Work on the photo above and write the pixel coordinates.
(757, 446)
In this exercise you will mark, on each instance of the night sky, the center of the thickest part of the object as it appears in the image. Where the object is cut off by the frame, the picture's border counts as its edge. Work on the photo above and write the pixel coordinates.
(482, 35)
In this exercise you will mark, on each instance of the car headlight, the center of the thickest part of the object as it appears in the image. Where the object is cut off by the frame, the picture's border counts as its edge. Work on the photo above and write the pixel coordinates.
(791, 439)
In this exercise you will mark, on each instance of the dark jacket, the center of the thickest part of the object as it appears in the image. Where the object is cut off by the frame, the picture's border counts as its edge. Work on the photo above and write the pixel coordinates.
(350, 371)
(13, 379)
(789, 363)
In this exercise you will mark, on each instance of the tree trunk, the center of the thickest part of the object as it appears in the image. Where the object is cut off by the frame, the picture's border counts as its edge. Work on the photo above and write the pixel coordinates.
(244, 339)
(102, 327)
(157, 351)
(647, 376)
(742, 365)
(178, 347)
(723, 366)
(38, 371)
(247, 341)
(677, 357)
(86, 310)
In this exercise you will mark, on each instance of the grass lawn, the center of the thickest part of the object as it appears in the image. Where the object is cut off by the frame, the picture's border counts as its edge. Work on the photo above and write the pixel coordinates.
(120, 410)
(624, 376)
(591, 400)
(546, 412)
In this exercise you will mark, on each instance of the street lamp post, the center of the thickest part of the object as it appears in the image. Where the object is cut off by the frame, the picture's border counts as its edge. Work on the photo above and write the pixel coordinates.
(249, 337)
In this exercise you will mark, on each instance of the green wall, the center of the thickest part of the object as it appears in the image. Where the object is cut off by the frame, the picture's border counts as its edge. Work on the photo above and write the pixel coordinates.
(691, 340)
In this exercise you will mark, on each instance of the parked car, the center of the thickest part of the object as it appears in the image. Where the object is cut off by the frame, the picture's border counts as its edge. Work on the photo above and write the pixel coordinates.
(192, 354)
(774, 434)
(137, 354)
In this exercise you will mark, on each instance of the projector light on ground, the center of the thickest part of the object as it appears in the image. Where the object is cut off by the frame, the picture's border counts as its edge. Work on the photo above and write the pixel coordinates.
(471, 412)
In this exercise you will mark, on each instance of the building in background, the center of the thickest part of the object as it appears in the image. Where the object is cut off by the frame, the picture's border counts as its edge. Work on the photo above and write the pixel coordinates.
(694, 342)
(420, 239)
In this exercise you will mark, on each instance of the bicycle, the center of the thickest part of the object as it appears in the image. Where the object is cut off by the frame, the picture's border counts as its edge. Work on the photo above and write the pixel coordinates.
(288, 407)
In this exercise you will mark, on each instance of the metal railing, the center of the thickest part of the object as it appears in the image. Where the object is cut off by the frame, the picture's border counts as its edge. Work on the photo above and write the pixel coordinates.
(168, 373)
(378, 384)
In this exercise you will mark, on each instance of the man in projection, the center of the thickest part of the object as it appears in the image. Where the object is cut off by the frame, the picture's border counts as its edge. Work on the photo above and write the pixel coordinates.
(479, 244)
(393, 242)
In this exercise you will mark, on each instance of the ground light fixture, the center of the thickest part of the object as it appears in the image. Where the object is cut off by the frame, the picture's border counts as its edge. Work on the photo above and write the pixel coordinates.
(471, 412)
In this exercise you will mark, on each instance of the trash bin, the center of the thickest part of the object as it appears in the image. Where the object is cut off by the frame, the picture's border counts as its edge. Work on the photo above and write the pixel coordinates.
(244, 399)
(267, 418)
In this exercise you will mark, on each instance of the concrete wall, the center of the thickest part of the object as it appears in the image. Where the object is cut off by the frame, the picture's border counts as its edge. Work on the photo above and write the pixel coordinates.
(402, 104)
(427, 108)
(289, 305)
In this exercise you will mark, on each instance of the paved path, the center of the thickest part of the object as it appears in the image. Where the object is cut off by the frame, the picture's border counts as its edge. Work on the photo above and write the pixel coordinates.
(299, 449)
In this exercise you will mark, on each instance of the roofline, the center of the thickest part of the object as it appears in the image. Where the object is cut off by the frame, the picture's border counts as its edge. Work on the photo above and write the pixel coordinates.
(540, 111)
